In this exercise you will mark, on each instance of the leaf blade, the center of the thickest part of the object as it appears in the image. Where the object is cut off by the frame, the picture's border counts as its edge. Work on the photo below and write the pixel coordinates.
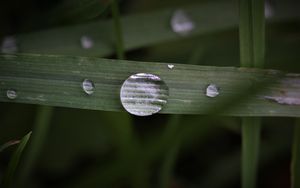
(56, 81)
(12, 166)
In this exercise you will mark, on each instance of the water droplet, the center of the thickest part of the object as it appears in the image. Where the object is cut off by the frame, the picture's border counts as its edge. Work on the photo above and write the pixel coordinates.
(181, 23)
(144, 94)
(268, 10)
(88, 86)
(11, 94)
(9, 45)
(86, 42)
(170, 66)
(212, 90)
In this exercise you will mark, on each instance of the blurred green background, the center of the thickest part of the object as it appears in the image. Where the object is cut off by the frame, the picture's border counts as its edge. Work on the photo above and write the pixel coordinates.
(84, 148)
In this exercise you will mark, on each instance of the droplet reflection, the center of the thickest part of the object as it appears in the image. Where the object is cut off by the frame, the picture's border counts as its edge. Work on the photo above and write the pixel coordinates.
(88, 86)
(212, 90)
(86, 42)
(144, 94)
(181, 23)
(11, 94)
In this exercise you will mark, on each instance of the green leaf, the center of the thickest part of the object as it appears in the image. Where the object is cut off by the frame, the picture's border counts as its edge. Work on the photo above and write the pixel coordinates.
(139, 30)
(12, 166)
(56, 81)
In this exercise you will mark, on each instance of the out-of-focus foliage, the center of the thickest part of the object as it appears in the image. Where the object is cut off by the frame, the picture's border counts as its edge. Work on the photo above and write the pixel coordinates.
(86, 148)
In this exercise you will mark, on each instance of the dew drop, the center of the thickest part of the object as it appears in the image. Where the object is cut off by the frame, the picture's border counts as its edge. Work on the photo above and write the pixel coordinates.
(88, 86)
(170, 66)
(144, 94)
(11, 94)
(269, 12)
(86, 42)
(181, 23)
(9, 45)
(212, 90)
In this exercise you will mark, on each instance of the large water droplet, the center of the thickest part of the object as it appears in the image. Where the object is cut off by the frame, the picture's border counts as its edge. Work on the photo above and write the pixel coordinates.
(212, 90)
(11, 94)
(86, 42)
(144, 94)
(181, 23)
(88, 86)
(9, 45)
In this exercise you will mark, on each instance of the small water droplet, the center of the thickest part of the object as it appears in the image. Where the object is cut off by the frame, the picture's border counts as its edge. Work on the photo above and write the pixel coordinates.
(86, 42)
(88, 86)
(212, 90)
(11, 94)
(268, 10)
(181, 23)
(144, 94)
(170, 66)
(9, 45)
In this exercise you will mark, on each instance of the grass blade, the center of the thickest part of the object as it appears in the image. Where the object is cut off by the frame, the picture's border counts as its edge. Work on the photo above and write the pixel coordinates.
(252, 53)
(296, 157)
(41, 126)
(13, 164)
(250, 150)
(171, 153)
(118, 30)
(139, 30)
(56, 81)
(8, 144)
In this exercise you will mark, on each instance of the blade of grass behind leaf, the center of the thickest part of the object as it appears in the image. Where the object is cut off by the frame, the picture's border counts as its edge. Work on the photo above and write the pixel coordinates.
(139, 30)
(252, 51)
(41, 127)
(250, 149)
(118, 30)
(171, 153)
(13, 164)
(296, 157)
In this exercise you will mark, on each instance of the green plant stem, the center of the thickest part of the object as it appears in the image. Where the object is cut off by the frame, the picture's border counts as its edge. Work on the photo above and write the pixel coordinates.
(296, 157)
(250, 151)
(252, 53)
(118, 30)
(14, 162)
(172, 152)
(40, 130)
(168, 165)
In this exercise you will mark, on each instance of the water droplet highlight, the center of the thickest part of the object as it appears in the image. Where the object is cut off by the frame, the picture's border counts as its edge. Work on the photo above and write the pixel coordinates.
(11, 94)
(269, 12)
(9, 45)
(86, 42)
(170, 66)
(212, 90)
(144, 94)
(181, 23)
(88, 86)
